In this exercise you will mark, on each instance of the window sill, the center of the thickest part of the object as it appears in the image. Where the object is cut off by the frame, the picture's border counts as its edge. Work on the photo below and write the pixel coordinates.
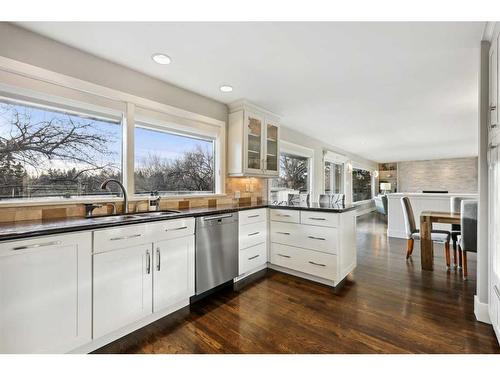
(33, 202)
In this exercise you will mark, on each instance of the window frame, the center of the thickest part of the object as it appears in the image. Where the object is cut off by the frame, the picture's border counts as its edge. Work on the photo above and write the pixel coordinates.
(40, 87)
(372, 184)
(301, 151)
(332, 157)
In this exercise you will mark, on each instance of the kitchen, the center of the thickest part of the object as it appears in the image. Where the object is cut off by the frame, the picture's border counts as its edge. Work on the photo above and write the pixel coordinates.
(162, 199)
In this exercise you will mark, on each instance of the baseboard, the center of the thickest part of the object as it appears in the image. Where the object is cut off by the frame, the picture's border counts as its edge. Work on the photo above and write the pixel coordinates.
(303, 275)
(481, 311)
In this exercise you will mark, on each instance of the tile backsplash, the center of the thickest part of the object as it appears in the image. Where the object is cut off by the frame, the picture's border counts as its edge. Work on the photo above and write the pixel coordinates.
(249, 189)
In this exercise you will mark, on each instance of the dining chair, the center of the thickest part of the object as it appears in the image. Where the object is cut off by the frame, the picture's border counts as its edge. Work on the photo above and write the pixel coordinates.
(455, 203)
(412, 233)
(467, 241)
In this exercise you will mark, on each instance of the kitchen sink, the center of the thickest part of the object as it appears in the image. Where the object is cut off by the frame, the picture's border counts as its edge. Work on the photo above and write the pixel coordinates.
(157, 213)
(138, 215)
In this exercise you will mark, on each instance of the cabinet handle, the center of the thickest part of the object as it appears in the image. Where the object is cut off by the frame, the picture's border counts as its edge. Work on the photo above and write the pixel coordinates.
(493, 107)
(253, 234)
(178, 228)
(216, 217)
(493, 126)
(495, 288)
(148, 262)
(492, 146)
(316, 238)
(317, 264)
(255, 256)
(125, 237)
(35, 245)
(317, 218)
(252, 216)
(283, 215)
(284, 256)
(285, 233)
(158, 260)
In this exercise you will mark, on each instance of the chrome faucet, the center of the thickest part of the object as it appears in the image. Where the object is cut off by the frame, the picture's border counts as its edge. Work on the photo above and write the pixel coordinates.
(125, 198)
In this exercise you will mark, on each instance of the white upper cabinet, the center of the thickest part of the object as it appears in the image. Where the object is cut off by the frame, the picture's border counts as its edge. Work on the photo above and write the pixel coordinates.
(253, 141)
(45, 294)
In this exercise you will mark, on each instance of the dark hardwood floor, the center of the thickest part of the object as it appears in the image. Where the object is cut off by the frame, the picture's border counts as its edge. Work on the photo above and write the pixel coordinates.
(388, 305)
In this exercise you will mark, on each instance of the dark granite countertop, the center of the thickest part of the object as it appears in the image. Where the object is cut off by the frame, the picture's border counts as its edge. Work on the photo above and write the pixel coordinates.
(33, 228)
(315, 207)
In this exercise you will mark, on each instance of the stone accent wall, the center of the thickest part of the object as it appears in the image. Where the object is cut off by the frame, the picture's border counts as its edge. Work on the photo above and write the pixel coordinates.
(251, 190)
(454, 175)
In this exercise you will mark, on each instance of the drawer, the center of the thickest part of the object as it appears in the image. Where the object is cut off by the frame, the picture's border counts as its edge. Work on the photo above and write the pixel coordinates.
(252, 258)
(289, 216)
(317, 238)
(252, 216)
(323, 219)
(307, 261)
(168, 229)
(252, 234)
(120, 237)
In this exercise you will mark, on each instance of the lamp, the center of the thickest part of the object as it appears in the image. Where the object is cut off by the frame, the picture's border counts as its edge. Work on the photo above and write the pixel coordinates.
(385, 186)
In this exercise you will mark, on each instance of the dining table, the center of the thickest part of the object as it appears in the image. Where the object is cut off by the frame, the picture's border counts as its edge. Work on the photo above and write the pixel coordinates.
(427, 218)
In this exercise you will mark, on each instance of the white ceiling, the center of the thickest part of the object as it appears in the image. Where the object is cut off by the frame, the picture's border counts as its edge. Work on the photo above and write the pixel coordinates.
(385, 91)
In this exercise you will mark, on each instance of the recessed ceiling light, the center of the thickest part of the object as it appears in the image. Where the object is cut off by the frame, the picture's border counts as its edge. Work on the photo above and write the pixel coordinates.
(226, 88)
(161, 58)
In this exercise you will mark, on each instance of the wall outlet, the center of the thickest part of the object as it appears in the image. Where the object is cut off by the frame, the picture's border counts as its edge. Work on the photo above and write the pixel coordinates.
(237, 194)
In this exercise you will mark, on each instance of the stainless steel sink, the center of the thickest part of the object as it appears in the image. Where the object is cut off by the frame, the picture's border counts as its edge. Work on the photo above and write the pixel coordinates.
(114, 218)
(157, 213)
(139, 215)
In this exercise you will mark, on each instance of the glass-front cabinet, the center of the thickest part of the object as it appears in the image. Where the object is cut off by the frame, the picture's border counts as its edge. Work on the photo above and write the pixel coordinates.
(253, 141)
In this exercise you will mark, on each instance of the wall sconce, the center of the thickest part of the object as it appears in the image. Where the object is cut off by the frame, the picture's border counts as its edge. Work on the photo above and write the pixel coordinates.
(375, 174)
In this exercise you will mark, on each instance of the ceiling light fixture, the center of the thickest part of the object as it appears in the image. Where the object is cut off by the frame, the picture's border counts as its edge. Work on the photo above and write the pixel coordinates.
(226, 88)
(161, 58)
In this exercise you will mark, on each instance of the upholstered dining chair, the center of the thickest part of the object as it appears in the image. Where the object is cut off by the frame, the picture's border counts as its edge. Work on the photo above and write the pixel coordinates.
(467, 241)
(412, 233)
(455, 229)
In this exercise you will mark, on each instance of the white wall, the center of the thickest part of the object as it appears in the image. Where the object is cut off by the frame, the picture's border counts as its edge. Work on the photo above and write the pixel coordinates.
(292, 136)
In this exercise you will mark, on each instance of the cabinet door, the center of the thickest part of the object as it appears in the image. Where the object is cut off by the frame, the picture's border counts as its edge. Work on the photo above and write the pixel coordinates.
(173, 271)
(45, 294)
(493, 82)
(254, 130)
(271, 165)
(122, 287)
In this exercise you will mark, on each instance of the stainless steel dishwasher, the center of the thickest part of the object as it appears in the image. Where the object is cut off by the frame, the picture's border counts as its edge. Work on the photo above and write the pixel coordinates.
(216, 250)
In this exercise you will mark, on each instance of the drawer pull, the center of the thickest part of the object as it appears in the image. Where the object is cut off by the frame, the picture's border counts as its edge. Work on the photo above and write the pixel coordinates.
(285, 233)
(316, 238)
(255, 256)
(253, 234)
(148, 262)
(158, 260)
(284, 256)
(317, 264)
(125, 237)
(178, 228)
(283, 215)
(252, 216)
(35, 245)
(495, 288)
(317, 218)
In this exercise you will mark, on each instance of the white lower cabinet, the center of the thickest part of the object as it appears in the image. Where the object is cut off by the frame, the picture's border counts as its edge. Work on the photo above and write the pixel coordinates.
(252, 241)
(173, 276)
(320, 246)
(122, 287)
(45, 294)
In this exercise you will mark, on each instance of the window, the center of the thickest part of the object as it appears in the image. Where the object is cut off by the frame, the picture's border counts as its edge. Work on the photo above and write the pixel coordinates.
(361, 185)
(172, 163)
(334, 178)
(46, 152)
(293, 177)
